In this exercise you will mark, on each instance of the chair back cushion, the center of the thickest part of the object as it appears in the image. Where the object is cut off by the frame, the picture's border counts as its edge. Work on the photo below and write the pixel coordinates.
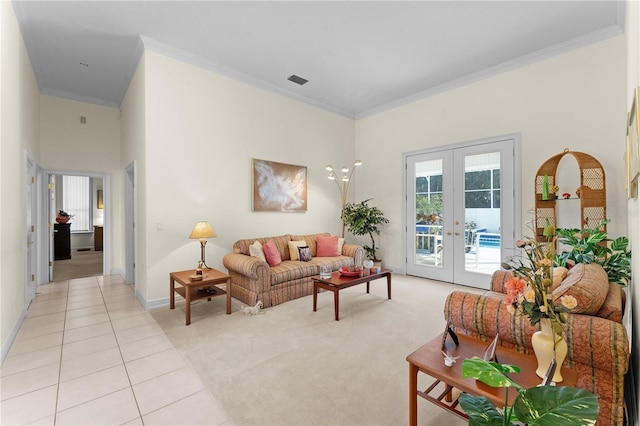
(589, 284)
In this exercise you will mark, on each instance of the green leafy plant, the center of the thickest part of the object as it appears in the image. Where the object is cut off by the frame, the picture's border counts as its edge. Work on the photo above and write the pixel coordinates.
(429, 210)
(593, 246)
(362, 219)
(544, 405)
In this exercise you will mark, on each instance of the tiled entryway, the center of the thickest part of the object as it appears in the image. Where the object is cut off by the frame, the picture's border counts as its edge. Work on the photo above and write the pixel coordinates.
(87, 354)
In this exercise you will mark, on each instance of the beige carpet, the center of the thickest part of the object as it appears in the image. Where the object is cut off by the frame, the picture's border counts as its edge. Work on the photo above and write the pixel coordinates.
(293, 366)
(82, 264)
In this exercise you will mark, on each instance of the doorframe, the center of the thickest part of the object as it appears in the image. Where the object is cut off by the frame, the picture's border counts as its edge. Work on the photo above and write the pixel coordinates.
(517, 187)
(32, 176)
(130, 216)
(46, 207)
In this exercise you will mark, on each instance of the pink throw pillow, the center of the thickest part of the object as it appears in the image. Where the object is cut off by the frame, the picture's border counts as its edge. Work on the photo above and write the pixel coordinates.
(271, 253)
(327, 246)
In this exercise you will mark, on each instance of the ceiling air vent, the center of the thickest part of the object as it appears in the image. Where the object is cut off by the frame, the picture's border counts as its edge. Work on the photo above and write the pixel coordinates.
(297, 80)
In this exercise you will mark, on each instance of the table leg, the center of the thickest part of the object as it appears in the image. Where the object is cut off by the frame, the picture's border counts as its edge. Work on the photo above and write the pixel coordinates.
(389, 285)
(336, 303)
(172, 292)
(413, 394)
(315, 295)
(187, 297)
(368, 286)
(449, 396)
(229, 296)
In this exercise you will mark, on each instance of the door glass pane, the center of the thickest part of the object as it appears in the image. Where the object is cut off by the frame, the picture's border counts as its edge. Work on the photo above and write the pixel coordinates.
(428, 213)
(482, 212)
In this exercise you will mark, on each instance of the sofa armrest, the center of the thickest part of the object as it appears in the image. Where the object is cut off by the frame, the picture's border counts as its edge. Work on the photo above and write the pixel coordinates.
(355, 251)
(591, 340)
(499, 280)
(248, 266)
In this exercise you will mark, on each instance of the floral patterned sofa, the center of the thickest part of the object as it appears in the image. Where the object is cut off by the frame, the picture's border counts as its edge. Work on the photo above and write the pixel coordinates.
(252, 279)
(598, 346)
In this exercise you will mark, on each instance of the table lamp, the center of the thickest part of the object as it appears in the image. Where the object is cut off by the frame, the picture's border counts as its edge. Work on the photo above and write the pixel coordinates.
(202, 231)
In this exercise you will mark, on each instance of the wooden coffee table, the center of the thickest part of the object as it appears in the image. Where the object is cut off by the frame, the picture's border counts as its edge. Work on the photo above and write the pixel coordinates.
(189, 289)
(428, 359)
(338, 282)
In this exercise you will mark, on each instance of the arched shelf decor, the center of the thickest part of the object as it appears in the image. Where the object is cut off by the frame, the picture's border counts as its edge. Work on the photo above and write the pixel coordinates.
(593, 192)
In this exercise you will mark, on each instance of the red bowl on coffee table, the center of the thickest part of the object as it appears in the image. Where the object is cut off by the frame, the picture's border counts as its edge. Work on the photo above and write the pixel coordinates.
(347, 273)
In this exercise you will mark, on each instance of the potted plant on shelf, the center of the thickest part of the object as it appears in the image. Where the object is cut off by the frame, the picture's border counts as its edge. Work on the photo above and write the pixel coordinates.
(362, 219)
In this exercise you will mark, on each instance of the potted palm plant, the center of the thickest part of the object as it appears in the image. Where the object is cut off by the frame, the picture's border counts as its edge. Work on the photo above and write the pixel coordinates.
(362, 219)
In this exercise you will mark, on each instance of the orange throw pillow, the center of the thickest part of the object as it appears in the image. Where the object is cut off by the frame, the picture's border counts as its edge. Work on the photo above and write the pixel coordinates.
(271, 253)
(327, 246)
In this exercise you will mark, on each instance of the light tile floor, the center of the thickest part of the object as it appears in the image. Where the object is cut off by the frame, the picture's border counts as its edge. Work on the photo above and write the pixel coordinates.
(87, 353)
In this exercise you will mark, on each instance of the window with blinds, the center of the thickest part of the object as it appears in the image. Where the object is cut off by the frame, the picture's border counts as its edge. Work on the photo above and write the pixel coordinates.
(76, 199)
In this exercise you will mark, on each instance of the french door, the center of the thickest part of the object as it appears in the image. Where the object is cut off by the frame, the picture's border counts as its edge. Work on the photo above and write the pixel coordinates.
(460, 211)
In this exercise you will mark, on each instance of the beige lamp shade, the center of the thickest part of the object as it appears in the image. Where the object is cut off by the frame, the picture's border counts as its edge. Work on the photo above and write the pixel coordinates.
(202, 230)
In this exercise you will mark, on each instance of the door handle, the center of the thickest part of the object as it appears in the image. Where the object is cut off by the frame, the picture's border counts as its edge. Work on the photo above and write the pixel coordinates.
(457, 222)
(457, 233)
(449, 233)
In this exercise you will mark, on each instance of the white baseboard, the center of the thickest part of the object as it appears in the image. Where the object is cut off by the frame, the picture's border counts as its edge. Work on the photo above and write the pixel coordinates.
(12, 336)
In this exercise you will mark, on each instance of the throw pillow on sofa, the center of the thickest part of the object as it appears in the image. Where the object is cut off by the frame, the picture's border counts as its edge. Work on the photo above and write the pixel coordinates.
(589, 284)
(271, 253)
(293, 248)
(304, 254)
(255, 250)
(327, 246)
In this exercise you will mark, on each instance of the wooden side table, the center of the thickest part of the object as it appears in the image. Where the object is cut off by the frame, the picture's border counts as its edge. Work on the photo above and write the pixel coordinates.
(428, 359)
(190, 289)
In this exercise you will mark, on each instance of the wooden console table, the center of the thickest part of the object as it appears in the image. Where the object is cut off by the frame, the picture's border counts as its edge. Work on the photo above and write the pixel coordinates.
(428, 359)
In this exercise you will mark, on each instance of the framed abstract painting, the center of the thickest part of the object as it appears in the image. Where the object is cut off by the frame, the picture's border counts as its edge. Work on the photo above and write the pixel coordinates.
(278, 187)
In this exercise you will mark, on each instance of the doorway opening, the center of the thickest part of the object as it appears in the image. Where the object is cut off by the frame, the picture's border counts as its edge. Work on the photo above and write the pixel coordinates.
(77, 248)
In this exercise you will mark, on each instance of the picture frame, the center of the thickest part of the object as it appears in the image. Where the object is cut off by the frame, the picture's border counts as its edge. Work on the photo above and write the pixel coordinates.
(625, 158)
(100, 201)
(278, 187)
(633, 147)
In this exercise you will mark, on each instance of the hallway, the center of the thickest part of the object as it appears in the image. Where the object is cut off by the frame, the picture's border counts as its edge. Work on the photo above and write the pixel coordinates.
(88, 353)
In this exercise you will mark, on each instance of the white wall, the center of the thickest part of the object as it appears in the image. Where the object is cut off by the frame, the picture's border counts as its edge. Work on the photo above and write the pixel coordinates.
(632, 29)
(18, 133)
(68, 145)
(133, 139)
(574, 100)
(202, 130)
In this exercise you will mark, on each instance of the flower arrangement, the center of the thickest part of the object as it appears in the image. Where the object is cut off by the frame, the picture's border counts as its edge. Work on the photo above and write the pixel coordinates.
(531, 288)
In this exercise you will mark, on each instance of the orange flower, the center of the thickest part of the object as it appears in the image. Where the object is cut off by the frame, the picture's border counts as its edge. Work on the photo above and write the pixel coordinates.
(514, 286)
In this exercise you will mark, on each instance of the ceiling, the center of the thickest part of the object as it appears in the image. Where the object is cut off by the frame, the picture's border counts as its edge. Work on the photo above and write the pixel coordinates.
(360, 57)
